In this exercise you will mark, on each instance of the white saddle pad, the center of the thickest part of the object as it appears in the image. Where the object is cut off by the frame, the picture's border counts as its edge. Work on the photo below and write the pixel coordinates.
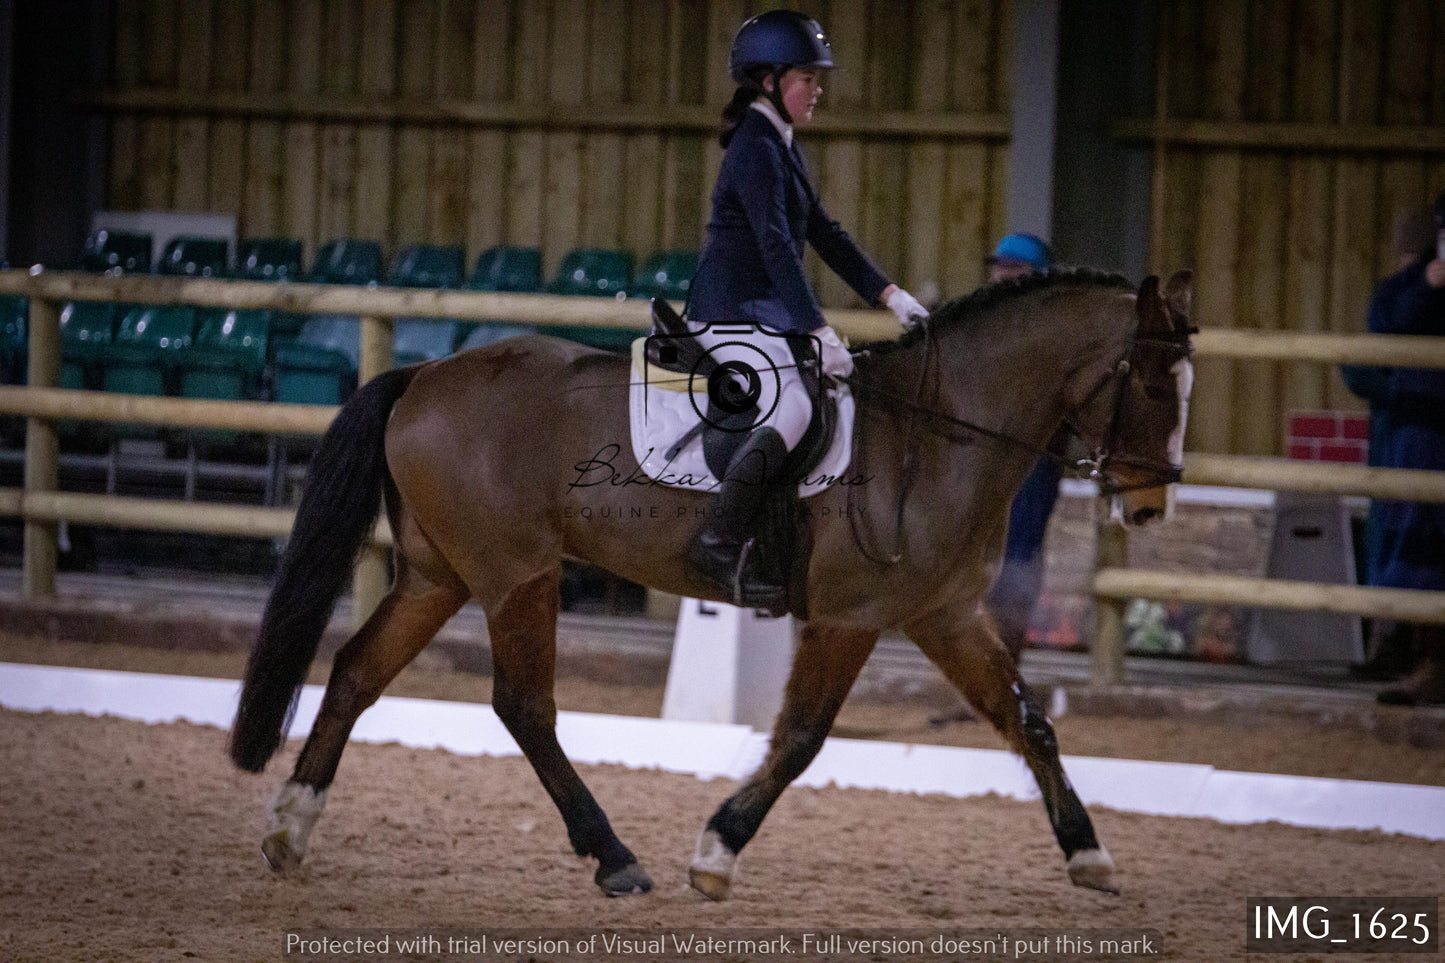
(663, 410)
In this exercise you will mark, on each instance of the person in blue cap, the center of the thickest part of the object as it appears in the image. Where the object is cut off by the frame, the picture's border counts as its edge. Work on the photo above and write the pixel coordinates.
(763, 211)
(1018, 255)
(1012, 598)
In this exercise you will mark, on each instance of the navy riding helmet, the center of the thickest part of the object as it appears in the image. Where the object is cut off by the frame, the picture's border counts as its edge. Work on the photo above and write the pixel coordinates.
(778, 38)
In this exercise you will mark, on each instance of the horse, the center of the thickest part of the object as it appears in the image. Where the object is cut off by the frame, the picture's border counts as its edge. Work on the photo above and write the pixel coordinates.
(480, 458)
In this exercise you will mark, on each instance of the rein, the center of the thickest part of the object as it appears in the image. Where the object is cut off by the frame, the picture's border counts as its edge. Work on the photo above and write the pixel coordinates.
(1095, 468)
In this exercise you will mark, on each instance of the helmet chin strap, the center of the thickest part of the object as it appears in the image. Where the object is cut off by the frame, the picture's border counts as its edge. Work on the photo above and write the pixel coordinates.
(776, 94)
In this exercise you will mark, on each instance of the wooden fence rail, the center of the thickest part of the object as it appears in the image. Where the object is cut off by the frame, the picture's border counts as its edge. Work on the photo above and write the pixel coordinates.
(42, 403)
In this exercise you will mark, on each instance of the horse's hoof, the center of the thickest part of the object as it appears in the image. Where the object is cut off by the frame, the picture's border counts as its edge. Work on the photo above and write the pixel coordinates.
(714, 886)
(630, 880)
(1093, 868)
(276, 850)
(713, 866)
(295, 811)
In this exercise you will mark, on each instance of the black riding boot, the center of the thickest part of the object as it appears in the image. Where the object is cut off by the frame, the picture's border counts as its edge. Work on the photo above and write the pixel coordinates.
(724, 553)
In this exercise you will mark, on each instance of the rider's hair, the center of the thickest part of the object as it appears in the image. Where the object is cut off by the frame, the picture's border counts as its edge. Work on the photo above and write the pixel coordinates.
(737, 109)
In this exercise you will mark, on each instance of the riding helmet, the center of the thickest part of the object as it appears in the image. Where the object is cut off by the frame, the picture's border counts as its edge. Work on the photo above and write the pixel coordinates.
(778, 38)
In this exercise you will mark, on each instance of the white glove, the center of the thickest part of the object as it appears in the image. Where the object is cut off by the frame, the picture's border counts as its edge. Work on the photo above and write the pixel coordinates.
(835, 357)
(906, 306)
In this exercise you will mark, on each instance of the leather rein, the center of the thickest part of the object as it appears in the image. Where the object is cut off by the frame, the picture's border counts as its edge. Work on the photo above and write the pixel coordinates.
(1096, 468)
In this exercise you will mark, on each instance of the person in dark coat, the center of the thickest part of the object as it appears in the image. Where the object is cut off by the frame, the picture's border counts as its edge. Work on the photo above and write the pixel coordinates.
(1016, 590)
(1413, 533)
(751, 273)
(1392, 644)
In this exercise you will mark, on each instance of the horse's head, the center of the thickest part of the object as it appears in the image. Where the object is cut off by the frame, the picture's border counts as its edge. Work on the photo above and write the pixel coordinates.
(1142, 450)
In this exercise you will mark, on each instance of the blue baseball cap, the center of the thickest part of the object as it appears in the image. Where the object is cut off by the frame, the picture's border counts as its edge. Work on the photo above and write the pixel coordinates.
(1022, 249)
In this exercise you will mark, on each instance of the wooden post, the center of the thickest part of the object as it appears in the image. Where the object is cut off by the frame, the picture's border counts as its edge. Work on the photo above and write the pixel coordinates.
(371, 582)
(1110, 551)
(42, 452)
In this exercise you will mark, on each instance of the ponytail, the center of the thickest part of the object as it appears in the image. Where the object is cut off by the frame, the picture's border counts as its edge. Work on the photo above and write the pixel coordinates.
(749, 90)
(736, 110)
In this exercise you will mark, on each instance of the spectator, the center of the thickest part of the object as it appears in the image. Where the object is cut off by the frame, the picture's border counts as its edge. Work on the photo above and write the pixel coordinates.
(1392, 644)
(1413, 533)
(1011, 600)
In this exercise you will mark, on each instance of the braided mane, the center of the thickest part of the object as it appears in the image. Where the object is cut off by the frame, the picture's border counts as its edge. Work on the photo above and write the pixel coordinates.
(964, 309)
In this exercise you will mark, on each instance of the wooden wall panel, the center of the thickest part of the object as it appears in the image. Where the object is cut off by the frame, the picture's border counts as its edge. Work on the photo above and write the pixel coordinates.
(230, 69)
(158, 70)
(926, 206)
(125, 140)
(1295, 237)
(193, 69)
(340, 50)
(411, 176)
(446, 221)
(303, 79)
(487, 188)
(376, 144)
(264, 159)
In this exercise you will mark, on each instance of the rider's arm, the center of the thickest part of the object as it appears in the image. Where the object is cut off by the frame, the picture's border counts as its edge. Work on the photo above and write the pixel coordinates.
(846, 259)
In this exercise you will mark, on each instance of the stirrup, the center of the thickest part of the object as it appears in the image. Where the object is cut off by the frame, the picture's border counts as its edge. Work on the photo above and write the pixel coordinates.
(759, 592)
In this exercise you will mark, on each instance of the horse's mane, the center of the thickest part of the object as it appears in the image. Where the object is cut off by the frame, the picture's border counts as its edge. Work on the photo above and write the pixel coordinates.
(965, 309)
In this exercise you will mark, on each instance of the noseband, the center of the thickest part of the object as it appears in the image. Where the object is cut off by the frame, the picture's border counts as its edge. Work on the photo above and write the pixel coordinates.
(1098, 467)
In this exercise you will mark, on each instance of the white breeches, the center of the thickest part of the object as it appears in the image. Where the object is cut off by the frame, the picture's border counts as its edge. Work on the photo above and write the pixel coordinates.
(784, 403)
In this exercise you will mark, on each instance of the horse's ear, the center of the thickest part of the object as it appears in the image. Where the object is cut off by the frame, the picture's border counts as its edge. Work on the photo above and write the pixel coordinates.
(1148, 307)
(1179, 296)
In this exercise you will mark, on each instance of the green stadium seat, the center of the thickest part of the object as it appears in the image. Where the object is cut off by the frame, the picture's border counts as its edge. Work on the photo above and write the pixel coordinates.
(598, 273)
(511, 269)
(423, 340)
(201, 257)
(226, 362)
(665, 274)
(228, 355)
(126, 251)
(14, 345)
(14, 352)
(319, 367)
(508, 269)
(428, 266)
(593, 271)
(86, 329)
(347, 261)
(149, 343)
(269, 259)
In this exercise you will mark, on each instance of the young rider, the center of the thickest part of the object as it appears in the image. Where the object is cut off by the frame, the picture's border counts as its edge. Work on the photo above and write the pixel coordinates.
(763, 210)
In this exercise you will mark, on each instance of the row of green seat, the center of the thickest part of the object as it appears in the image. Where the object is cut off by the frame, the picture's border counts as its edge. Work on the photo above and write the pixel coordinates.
(585, 271)
(210, 353)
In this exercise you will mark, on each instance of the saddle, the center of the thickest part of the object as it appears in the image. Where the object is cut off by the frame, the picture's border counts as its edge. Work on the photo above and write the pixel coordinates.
(674, 349)
(676, 445)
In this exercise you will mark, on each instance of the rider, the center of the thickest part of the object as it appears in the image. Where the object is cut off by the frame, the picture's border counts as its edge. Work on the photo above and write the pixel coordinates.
(763, 209)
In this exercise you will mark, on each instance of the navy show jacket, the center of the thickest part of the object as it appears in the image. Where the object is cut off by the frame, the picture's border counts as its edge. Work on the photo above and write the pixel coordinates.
(762, 212)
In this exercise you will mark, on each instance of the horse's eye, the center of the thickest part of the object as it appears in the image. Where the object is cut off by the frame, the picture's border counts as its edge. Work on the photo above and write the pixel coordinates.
(1154, 393)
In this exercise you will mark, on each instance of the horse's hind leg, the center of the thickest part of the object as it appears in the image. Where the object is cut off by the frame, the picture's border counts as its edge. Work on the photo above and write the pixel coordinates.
(972, 657)
(405, 621)
(827, 662)
(523, 628)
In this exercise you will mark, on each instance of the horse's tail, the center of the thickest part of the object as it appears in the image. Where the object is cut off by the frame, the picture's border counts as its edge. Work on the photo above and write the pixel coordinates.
(337, 512)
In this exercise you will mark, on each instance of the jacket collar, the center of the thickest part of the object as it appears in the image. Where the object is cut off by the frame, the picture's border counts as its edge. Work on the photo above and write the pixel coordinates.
(785, 131)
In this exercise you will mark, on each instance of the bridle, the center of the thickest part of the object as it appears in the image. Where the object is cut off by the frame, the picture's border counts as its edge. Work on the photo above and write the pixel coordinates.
(1098, 467)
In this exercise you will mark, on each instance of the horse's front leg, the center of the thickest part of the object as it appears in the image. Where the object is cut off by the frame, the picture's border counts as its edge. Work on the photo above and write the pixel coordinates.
(826, 663)
(969, 652)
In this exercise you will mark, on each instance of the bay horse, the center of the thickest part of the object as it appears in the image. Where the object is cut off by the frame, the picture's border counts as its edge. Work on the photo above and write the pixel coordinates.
(478, 457)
